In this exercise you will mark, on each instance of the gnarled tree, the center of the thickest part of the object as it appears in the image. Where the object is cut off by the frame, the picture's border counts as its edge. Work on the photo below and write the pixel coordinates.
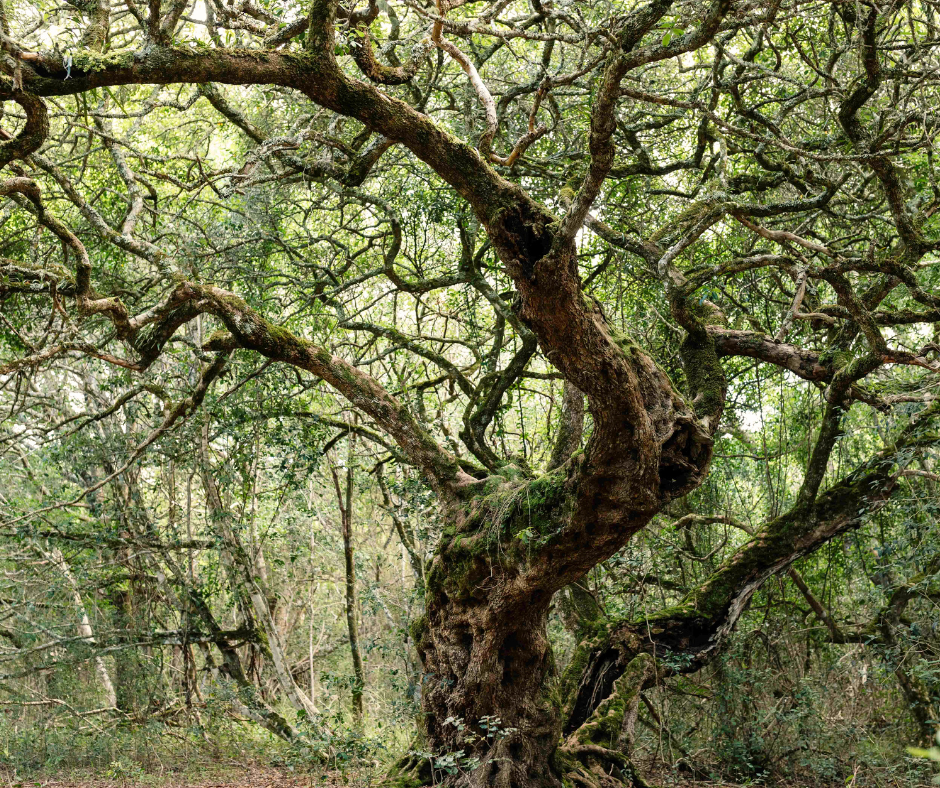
(761, 171)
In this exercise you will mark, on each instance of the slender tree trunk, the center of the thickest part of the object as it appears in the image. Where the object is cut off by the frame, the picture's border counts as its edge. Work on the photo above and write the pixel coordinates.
(127, 665)
(248, 584)
(570, 426)
(344, 497)
(55, 557)
(405, 534)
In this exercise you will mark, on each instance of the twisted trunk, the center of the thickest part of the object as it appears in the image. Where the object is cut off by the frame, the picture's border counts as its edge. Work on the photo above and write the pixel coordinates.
(487, 690)
(490, 688)
(515, 540)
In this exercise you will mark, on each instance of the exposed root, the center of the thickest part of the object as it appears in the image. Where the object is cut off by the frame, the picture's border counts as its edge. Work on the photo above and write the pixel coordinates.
(596, 754)
(593, 766)
(411, 771)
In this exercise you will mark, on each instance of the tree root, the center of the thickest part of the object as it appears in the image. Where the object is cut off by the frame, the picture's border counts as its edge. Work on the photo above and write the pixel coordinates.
(596, 754)
(410, 771)
(593, 766)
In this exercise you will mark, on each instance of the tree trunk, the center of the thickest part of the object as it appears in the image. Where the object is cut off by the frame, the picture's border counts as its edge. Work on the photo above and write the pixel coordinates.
(247, 584)
(127, 665)
(489, 672)
(55, 557)
(344, 498)
(515, 540)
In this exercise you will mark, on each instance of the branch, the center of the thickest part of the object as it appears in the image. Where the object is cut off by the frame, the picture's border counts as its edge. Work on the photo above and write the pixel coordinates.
(697, 628)
(34, 131)
(250, 330)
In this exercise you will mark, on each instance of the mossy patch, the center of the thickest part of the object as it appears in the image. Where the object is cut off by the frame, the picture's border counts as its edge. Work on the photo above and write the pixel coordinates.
(605, 725)
(89, 62)
(513, 518)
(411, 771)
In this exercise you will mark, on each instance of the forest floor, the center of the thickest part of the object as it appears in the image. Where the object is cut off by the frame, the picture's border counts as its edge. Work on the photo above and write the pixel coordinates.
(217, 777)
(269, 777)
(200, 774)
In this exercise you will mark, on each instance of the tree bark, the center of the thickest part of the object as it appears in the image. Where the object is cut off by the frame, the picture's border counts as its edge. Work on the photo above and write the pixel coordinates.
(492, 671)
